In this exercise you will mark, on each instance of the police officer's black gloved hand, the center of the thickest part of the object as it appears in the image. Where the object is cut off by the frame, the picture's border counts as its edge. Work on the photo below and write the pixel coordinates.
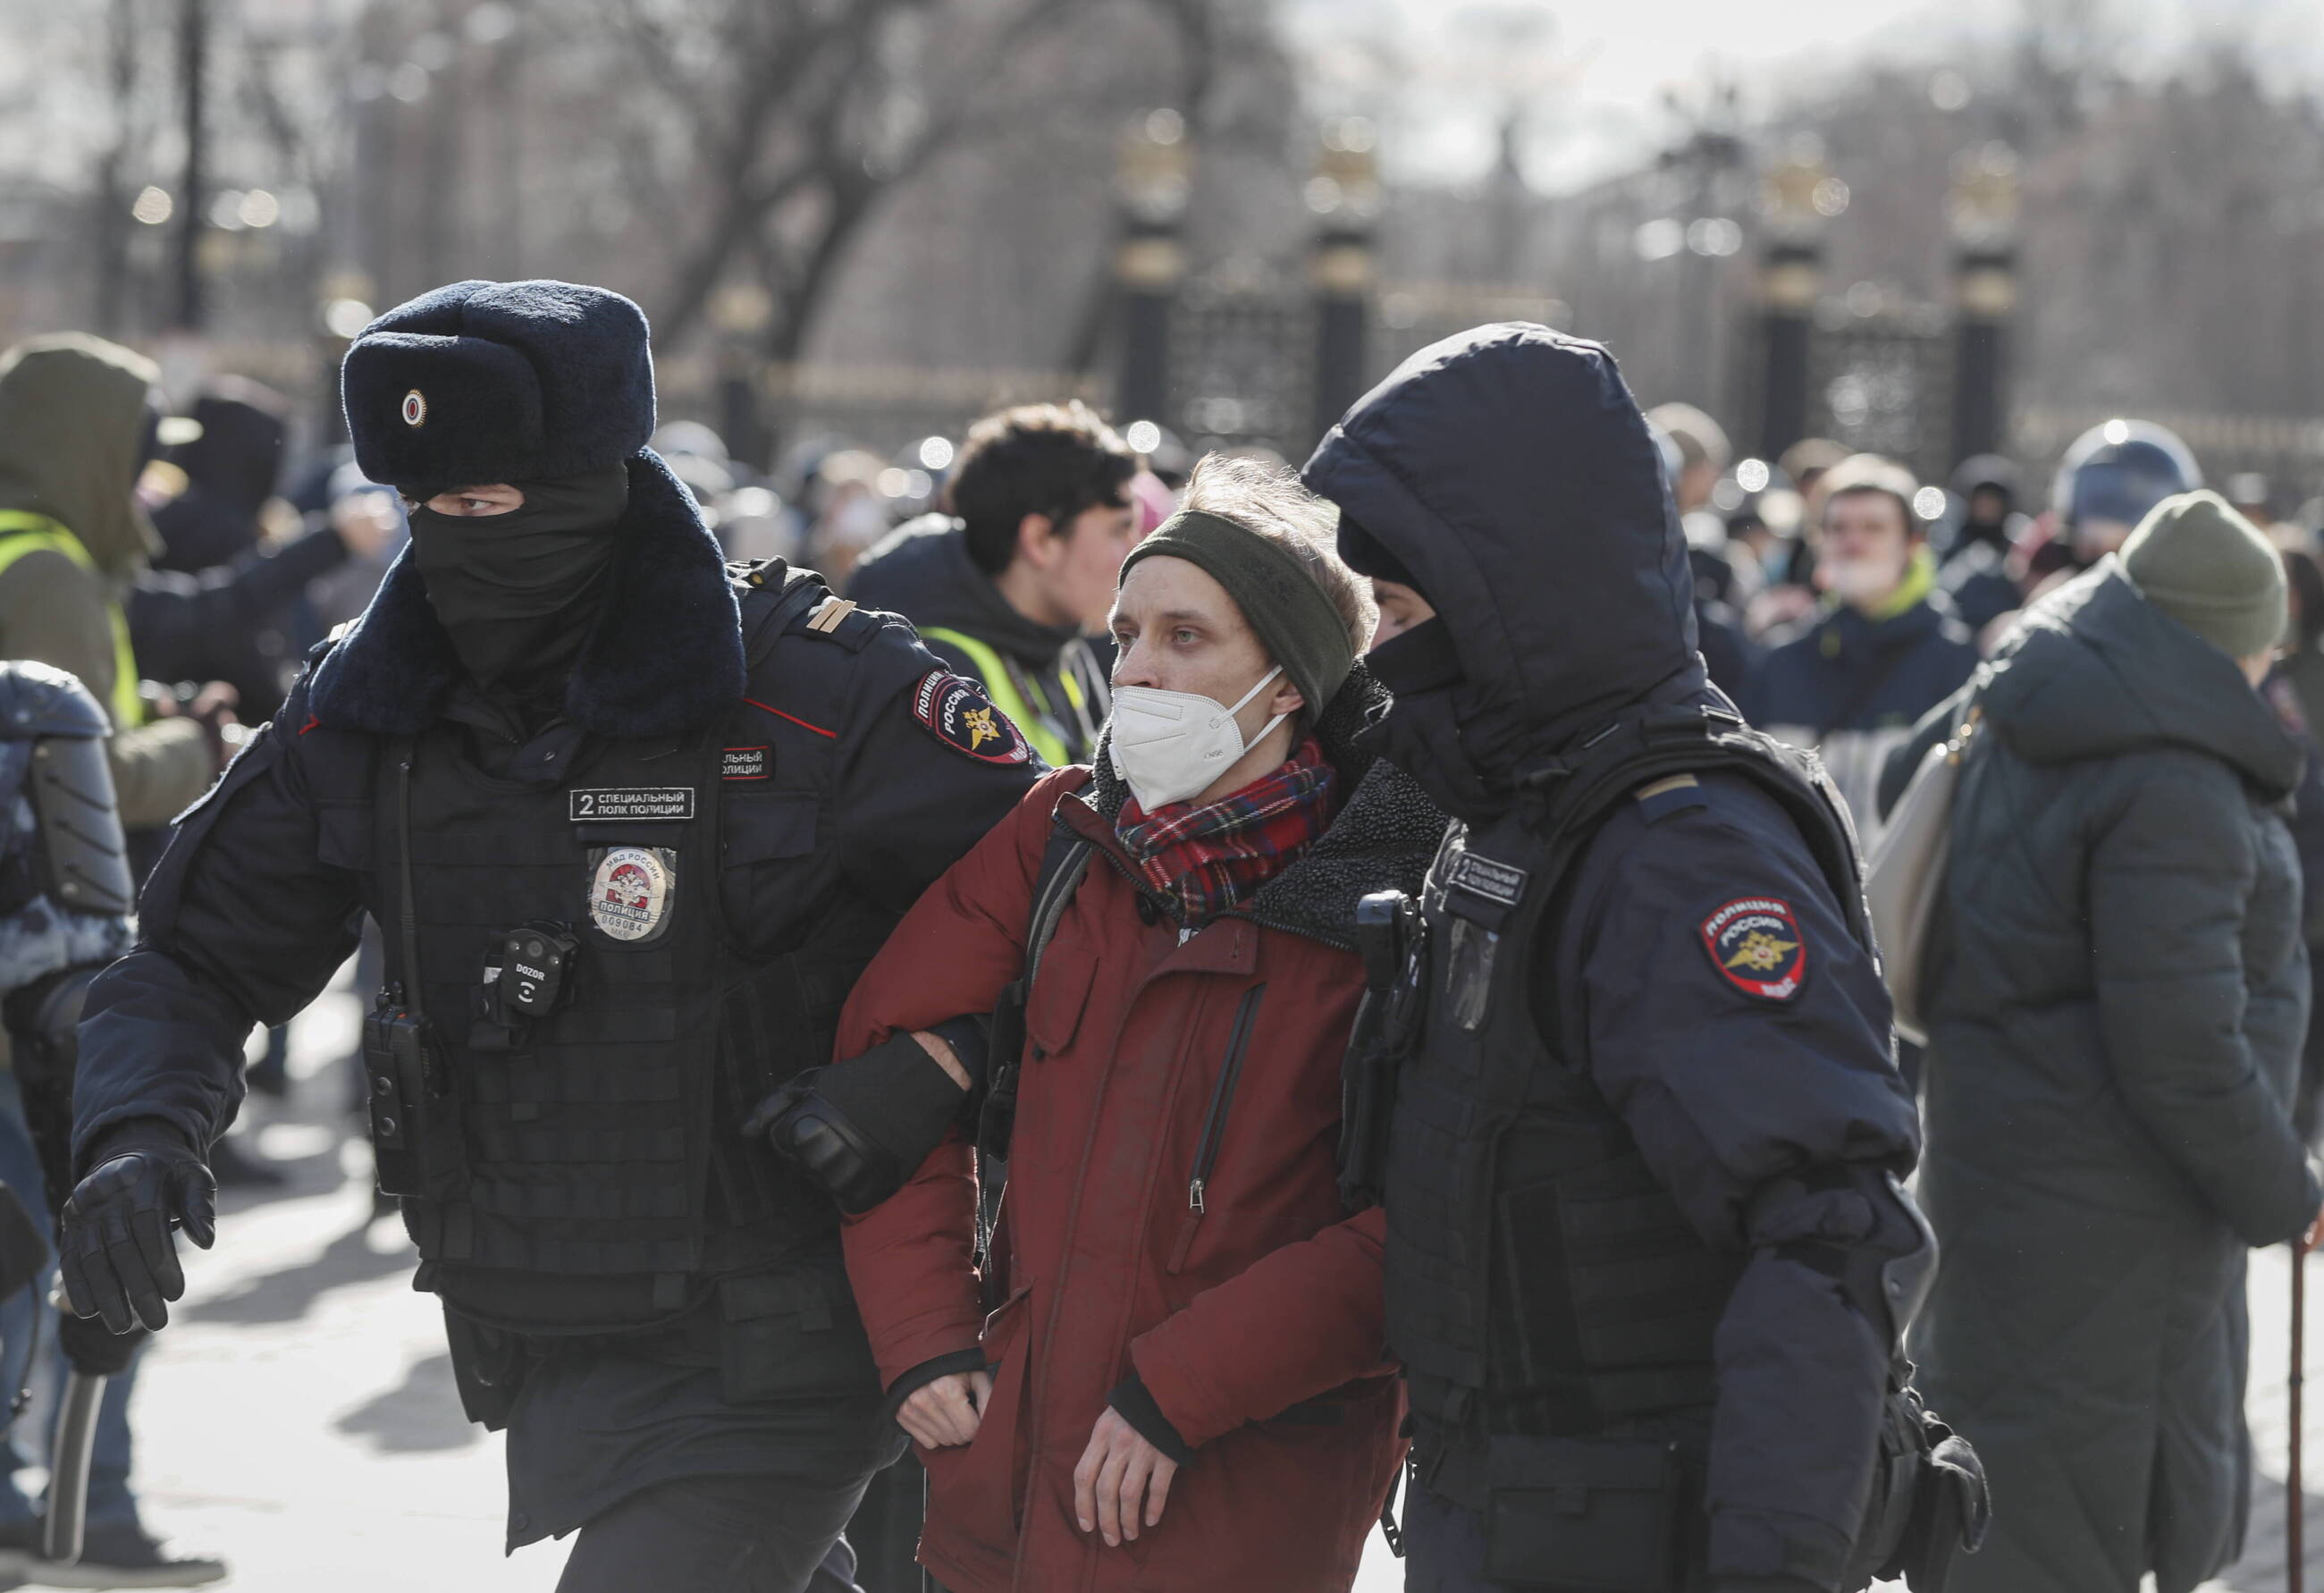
(112, 1240)
(860, 1129)
(94, 1350)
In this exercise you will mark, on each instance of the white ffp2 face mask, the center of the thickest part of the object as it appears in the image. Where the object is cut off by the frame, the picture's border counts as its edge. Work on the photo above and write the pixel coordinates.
(1171, 744)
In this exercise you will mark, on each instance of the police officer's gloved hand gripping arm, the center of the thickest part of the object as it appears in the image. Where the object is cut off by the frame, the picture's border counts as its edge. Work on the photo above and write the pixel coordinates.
(118, 1259)
(861, 1127)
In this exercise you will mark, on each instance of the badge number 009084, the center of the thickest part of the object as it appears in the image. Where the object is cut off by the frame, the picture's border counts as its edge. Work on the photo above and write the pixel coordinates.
(631, 890)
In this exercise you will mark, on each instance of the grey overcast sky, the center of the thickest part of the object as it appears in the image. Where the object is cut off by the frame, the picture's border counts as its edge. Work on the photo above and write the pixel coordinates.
(1437, 72)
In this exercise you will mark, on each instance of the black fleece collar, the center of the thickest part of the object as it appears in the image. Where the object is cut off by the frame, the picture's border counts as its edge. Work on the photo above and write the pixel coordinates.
(665, 657)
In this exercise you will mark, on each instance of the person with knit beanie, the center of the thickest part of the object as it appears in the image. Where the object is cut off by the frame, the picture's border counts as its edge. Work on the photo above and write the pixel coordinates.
(1175, 922)
(2214, 571)
(2116, 994)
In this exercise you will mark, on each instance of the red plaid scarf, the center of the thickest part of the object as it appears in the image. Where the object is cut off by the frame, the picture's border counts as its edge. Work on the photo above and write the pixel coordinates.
(1205, 860)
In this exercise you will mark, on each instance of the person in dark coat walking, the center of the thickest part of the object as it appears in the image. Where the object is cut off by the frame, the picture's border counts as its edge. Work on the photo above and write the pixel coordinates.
(633, 821)
(1652, 1051)
(1886, 649)
(2117, 993)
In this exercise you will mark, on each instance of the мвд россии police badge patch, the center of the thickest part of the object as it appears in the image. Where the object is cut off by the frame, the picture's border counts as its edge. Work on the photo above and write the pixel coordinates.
(1755, 942)
(631, 890)
(957, 713)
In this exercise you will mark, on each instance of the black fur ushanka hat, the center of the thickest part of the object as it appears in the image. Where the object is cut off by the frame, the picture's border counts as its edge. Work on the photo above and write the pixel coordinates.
(482, 381)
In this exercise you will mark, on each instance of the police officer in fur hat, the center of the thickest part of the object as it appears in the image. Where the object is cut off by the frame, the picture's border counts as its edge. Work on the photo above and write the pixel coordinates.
(631, 820)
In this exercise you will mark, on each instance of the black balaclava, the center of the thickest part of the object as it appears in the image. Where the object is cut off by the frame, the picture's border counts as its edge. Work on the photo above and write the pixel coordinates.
(517, 591)
(1421, 733)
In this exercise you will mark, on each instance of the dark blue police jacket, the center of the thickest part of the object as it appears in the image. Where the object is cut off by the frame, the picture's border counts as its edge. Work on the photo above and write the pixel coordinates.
(1508, 471)
(247, 917)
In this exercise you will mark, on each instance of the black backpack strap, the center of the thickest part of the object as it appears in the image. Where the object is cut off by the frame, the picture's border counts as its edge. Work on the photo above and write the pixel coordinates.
(1064, 863)
(1391, 1533)
(1574, 794)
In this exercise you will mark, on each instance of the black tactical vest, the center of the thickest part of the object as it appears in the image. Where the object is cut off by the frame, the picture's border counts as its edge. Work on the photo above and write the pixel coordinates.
(1539, 1278)
(584, 1171)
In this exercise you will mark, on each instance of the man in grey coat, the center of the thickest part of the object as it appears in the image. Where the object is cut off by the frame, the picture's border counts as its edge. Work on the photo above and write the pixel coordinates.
(2117, 991)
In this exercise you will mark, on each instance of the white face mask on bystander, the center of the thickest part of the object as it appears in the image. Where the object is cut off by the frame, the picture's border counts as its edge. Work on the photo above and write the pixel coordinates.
(1171, 744)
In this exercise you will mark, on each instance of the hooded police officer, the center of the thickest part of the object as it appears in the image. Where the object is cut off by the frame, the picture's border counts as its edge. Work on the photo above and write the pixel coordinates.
(630, 821)
(1647, 1259)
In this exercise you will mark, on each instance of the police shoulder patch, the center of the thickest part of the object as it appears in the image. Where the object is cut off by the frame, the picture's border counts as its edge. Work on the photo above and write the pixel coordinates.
(957, 712)
(1755, 944)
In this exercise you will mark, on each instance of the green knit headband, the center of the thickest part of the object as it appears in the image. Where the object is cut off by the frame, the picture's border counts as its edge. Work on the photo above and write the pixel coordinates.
(1282, 600)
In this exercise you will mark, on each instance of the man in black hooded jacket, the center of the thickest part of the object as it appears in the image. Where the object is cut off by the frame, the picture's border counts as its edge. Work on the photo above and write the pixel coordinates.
(1647, 1256)
(631, 821)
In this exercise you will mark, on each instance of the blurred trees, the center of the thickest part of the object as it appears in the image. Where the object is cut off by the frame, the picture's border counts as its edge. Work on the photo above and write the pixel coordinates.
(896, 186)
(719, 159)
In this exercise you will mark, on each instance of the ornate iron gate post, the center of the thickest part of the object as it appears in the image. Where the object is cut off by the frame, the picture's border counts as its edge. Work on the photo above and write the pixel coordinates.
(1345, 196)
(1151, 181)
(1982, 210)
(1791, 276)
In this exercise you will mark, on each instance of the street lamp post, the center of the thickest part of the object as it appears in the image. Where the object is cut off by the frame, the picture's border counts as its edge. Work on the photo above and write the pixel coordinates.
(1793, 201)
(193, 52)
(1982, 212)
(1344, 195)
(1151, 184)
(740, 313)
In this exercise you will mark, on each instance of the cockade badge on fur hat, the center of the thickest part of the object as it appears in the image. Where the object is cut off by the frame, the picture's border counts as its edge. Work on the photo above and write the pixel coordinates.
(499, 382)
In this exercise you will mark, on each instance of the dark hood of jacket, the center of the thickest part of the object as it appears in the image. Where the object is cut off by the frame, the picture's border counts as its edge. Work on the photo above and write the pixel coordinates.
(73, 428)
(2096, 671)
(1508, 469)
(1382, 837)
(922, 571)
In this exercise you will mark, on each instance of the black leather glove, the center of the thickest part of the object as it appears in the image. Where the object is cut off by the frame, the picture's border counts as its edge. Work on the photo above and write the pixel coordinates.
(859, 1129)
(113, 1238)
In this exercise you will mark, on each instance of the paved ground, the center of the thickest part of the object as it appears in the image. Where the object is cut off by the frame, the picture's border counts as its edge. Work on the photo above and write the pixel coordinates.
(299, 1416)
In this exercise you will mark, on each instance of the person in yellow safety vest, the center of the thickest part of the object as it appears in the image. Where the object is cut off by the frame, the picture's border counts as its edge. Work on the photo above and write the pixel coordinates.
(77, 424)
(78, 421)
(1011, 580)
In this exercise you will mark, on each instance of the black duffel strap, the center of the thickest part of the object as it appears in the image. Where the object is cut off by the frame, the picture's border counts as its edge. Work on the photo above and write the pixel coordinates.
(564, 1145)
(575, 1082)
(1466, 1474)
(585, 1202)
(1391, 1532)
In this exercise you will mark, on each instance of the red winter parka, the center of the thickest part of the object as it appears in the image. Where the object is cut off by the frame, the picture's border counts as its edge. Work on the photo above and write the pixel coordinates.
(1251, 1313)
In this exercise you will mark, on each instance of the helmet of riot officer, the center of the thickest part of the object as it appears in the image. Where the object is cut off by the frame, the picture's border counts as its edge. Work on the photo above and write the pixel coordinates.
(2111, 476)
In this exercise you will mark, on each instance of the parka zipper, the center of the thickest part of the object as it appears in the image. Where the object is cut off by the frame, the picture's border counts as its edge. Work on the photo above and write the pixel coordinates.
(1207, 1152)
